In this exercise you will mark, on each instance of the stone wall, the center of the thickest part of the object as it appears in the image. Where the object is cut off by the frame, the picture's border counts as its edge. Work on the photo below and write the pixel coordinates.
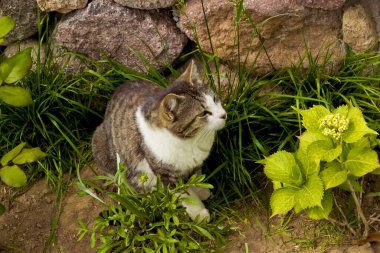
(273, 34)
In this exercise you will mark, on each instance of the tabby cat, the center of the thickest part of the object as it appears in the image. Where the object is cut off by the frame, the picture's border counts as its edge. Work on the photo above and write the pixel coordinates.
(161, 131)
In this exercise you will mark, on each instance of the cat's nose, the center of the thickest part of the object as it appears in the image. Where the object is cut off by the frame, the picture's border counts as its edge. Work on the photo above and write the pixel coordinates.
(223, 116)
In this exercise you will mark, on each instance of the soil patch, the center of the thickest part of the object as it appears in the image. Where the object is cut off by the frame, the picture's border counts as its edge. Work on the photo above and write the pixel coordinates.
(26, 226)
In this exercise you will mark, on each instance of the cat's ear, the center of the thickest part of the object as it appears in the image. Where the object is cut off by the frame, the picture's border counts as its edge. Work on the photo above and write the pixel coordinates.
(191, 74)
(169, 104)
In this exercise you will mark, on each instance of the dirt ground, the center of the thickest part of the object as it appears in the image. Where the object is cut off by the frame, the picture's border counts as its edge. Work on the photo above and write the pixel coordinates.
(26, 225)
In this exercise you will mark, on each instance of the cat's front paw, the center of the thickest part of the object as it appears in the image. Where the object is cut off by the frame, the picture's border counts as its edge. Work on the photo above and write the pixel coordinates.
(198, 213)
(204, 214)
(202, 193)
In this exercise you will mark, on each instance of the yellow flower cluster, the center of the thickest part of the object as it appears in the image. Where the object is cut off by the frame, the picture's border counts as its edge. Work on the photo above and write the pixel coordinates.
(334, 125)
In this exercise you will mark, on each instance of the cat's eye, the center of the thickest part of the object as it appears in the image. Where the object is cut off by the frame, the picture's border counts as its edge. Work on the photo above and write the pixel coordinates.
(204, 113)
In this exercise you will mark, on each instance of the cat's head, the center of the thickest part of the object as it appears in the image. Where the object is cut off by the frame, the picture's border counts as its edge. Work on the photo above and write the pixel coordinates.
(189, 107)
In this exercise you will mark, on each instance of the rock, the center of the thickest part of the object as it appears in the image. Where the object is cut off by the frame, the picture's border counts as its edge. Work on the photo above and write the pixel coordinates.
(68, 63)
(284, 27)
(105, 28)
(146, 4)
(366, 248)
(359, 30)
(373, 7)
(61, 6)
(323, 4)
(337, 250)
(24, 12)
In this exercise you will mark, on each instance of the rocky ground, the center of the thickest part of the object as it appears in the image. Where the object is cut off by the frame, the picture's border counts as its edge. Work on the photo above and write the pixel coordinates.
(26, 226)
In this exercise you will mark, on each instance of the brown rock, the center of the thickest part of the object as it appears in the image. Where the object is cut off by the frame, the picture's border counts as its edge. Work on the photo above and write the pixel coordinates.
(24, 12)
(106, 28)
(147, 4)
(283, 33)
(359, 30)
(323, 4)
(61, 6)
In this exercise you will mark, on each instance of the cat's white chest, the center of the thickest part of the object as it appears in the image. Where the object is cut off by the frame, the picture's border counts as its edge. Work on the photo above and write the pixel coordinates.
(184, 154)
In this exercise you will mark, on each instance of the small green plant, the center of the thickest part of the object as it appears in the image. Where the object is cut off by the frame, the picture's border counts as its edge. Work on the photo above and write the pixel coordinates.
(335, 150)
(12, 70)
(10, 172)
(154, 221)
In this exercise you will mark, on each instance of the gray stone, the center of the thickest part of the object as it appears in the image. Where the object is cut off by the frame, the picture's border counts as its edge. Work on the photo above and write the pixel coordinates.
(61, 6)
(359, 30)
(105, 28)
(147, 4)
(288, 31)
(25, 14)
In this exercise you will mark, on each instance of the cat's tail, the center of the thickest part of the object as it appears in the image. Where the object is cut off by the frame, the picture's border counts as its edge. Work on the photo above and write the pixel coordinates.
(103, 151)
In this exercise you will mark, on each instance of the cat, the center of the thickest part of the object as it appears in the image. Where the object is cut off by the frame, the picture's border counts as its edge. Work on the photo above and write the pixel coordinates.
(161, 131)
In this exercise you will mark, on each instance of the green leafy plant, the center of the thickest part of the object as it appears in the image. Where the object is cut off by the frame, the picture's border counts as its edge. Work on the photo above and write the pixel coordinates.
(335, 150)
(13, 69)
(154, 221)
(10, 172)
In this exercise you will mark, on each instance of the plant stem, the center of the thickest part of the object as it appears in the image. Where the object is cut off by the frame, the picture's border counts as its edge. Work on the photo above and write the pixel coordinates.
(359, 209)
(345, 223)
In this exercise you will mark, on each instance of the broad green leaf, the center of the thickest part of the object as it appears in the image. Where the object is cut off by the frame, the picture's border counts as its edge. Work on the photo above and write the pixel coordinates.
(342, 110)
(29, 155)
(6, 25)
(324, 150)
(311, 193)
(2, 209)
(282, 167)
(308, 138)
(282, 200)
(308, 165)
(276, 185)
(323, 212)
(297, 207)
(15, 96)
(362, 143)
(361, 161)
(357, 127)
(333, 175)
(13, 176)
(19, 64)
(311, 117)
(5, 69)
(12, 154)
(376, 172)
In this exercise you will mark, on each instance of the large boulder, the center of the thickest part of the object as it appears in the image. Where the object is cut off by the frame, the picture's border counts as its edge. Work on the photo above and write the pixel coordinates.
(25, 14)
(105, 28)
(359, 30)
(273, 34)
(61, 6)
(147, 4)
